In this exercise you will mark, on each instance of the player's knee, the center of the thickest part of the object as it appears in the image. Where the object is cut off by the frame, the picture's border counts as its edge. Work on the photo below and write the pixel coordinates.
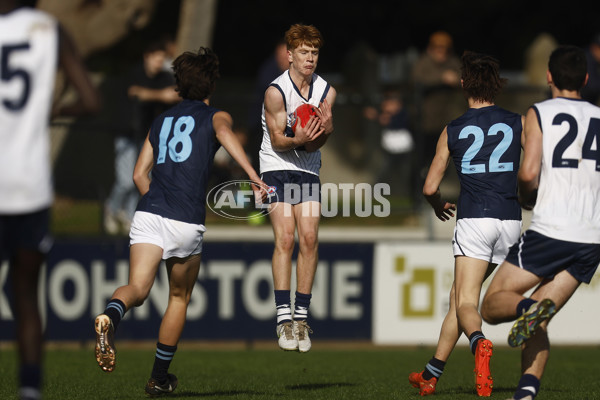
(466, 300)
(285, 242)
(138, 302)
(181, 294)
(140, 294)
(309, 241)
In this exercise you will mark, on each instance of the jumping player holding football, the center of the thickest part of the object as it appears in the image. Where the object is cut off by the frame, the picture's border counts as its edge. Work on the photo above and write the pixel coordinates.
(289, 164)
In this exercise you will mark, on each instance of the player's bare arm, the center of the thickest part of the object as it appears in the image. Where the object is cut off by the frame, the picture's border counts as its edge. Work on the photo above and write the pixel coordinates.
(71, 63)
(276, 119)
(326, 117)
(529, 172)
(143, 166)
(165, 95)
(222, 124)
(443, 209)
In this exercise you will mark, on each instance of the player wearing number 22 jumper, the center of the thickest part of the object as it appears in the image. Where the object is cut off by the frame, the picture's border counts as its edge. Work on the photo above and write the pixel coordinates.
(485, 146)
(169, 221)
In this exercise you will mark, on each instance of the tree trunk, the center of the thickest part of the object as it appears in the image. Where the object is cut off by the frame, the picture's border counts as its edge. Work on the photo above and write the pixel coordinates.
(97, 25)
(196, 22)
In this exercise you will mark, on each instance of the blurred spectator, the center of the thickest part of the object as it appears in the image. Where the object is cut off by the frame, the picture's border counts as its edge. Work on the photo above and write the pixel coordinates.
(396, 143)
(225, 168)
(270, 69)
(170, 51)
(362, 87)
(148, 90)
(536, 59)
(591, 91)
(436, 75)
(438, 65)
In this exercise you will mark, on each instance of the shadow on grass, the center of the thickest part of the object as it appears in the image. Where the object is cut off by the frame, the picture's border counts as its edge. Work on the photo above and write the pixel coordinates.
(217, 394)
(471, 390)
(231, 393)
(312, 386)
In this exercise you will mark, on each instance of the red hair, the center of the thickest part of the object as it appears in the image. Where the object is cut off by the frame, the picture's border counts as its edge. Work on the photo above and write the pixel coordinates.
(300, 34)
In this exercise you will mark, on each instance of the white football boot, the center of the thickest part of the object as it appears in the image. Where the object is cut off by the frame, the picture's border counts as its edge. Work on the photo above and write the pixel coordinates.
(301, 331)
(287, 337)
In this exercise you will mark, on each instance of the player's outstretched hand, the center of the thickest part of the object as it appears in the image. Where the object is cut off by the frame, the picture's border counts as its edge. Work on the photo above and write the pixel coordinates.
(260, 189)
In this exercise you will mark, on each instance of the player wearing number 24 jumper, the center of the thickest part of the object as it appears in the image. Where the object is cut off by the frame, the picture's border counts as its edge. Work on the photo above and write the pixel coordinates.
(560, 179)
(169, 221)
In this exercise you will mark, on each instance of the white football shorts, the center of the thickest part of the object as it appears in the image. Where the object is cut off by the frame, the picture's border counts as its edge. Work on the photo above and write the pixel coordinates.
(485, 238)
(176, 238)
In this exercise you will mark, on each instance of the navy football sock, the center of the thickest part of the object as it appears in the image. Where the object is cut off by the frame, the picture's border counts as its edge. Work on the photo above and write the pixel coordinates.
(529, 385)
(162, 360)
(523, 306)
(474, 339)
(301, 306)
(434, 368)
(30, 376)
(282, 303)
(115, 309)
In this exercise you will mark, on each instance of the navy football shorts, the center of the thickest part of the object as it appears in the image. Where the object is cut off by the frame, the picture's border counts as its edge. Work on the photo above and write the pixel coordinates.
(546, 257)
(25, 232)
(293, 187)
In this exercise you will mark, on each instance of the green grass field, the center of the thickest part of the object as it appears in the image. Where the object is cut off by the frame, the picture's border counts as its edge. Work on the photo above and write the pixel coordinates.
(327, 372)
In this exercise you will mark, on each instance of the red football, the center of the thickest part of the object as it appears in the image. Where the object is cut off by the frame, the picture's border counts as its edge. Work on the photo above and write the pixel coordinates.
(303, 112)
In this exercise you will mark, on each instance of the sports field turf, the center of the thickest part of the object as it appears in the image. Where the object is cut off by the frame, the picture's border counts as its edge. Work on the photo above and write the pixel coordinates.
(327, 372)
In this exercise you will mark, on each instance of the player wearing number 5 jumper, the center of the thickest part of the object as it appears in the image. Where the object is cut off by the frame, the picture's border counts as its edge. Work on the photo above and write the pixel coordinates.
(485, 146)
(33, 46)
(560, 179)
(169, 221)
(290, 160)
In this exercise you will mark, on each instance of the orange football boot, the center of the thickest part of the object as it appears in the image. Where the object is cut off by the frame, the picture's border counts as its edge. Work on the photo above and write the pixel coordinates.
(483, 377)
(425, 387)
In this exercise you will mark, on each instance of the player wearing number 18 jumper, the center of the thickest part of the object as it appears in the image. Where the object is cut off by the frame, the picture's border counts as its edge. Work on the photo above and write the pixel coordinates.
(485, 145)
(169, 221)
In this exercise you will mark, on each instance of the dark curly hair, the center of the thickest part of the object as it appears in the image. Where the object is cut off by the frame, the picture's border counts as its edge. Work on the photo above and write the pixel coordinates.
(196, 73)
(481, 76)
